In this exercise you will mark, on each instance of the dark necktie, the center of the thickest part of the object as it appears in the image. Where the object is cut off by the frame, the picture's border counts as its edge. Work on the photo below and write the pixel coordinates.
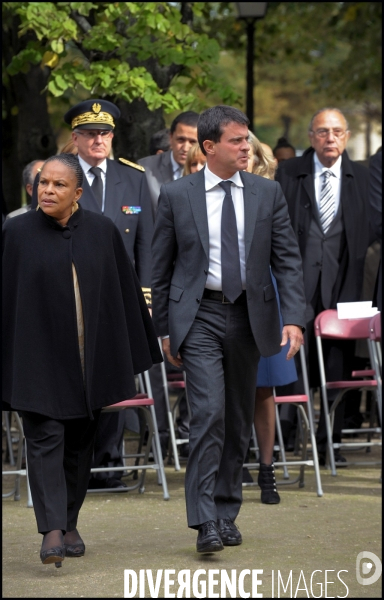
(230, 256)
(327, 202)
(97, 186)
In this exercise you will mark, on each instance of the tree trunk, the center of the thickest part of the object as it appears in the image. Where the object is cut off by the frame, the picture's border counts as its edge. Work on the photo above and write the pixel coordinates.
(27, 132)
(134, 128)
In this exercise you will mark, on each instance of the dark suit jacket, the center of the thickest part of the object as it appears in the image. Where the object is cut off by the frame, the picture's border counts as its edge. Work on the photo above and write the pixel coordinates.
(296, 179)
(127, 187)
(180, 250)
(158, 170)
(376, 214)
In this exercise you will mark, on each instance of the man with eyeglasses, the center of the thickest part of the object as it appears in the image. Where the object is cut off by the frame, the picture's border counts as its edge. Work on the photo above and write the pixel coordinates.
(118, 190)
(327, 196)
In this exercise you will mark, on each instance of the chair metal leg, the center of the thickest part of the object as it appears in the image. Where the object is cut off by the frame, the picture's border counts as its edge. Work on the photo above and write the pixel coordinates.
(304, 429)
(281, 441)
(170, 416)
(7, 423)
(157, 444)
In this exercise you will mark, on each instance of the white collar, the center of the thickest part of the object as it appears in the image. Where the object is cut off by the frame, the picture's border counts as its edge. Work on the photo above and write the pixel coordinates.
(212, 180)
(175, 165)
(320, 169)
(85, 166)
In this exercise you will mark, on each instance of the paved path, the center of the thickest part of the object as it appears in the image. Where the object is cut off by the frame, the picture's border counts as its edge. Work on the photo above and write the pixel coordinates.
(132, 531)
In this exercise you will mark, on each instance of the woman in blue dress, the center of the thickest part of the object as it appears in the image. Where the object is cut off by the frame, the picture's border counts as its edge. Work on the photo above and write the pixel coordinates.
(273, 371)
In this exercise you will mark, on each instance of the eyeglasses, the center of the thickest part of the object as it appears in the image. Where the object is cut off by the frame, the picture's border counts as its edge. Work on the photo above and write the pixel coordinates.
(322, 133)
(92, 134)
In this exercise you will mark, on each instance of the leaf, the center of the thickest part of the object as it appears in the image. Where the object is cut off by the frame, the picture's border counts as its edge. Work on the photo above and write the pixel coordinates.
(50, 59)
(53, 89)
(57, 46)
(60, 82)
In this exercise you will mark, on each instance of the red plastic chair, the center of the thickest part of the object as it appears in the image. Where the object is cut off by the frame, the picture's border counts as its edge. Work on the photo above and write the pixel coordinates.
(145, 403)
(374, 346)
(303, 403)
(329, 326)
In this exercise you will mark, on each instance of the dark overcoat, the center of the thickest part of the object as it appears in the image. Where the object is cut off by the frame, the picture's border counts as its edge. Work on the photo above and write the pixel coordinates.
(296, 179)
(128, 205)
(41, 359)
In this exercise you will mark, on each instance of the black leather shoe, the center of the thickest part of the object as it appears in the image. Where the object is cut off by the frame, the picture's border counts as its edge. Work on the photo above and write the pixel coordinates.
(54, 554)
(267, 483)
(77, 548)
(208, 539)
(339, 459)
(229, 532)
(101, 484)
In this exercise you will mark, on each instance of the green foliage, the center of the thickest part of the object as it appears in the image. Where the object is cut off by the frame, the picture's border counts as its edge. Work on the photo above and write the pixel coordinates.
(307, 55)
(111, 49)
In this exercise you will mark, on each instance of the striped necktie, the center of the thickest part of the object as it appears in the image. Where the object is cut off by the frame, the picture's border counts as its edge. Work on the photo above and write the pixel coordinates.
(327, 202)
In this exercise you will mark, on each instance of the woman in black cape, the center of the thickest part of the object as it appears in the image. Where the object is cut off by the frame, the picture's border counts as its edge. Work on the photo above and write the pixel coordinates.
(76, 330)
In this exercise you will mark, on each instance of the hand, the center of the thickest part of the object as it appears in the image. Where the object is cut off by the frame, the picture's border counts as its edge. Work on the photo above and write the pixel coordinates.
(294, 334)
(175, 361)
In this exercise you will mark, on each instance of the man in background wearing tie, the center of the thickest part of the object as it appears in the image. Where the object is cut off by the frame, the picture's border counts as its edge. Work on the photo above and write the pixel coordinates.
(168, 166)
(159, 169)
(216, 234)
(327, 197)
(118, 190)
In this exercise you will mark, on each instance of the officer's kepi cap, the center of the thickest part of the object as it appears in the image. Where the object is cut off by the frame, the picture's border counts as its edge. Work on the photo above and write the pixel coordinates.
(93, 114)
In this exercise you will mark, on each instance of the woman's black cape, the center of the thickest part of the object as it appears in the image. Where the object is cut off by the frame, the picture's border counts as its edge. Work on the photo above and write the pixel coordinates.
(41, 360)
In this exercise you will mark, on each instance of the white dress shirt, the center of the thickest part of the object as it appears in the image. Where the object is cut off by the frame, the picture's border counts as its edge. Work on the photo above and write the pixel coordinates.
(177, 169)
(335, 179)
(214, 198)
(90, 176)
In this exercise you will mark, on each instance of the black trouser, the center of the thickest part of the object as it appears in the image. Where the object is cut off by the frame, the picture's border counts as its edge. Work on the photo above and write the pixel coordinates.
(59, 455)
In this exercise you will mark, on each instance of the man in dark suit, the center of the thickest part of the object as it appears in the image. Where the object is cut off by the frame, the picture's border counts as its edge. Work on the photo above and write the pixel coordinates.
(168, 166)
(164, 168)
(327, 197)
(376, 217)
(216, 234)
(118, 190)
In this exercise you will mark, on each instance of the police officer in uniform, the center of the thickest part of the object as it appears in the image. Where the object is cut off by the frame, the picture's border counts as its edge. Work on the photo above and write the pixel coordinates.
(117, 189)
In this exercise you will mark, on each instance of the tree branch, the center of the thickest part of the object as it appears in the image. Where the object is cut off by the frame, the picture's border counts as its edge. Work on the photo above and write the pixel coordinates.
(81, 21)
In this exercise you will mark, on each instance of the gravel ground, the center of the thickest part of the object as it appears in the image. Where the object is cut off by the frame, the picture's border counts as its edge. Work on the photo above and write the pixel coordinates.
(132, 531)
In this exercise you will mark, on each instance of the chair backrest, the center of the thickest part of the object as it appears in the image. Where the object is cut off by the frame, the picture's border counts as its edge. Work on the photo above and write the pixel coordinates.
(375, 328)
(328, 325)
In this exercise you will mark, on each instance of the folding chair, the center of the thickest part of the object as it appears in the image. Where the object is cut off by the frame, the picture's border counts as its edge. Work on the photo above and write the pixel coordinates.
(145, 403)
(374, 347)
(18, 471)
(303, 402)
(173, 382)
(329, 326)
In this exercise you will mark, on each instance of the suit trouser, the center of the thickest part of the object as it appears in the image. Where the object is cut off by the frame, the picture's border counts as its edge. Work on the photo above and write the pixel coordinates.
(59, 454)
(220, 357)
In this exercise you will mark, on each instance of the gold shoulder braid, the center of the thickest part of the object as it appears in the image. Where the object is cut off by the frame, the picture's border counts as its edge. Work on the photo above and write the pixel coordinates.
(147, 293)
(131, 164)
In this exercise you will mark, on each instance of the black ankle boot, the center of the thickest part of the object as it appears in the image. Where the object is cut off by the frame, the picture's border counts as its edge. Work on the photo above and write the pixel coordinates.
(267, 483)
